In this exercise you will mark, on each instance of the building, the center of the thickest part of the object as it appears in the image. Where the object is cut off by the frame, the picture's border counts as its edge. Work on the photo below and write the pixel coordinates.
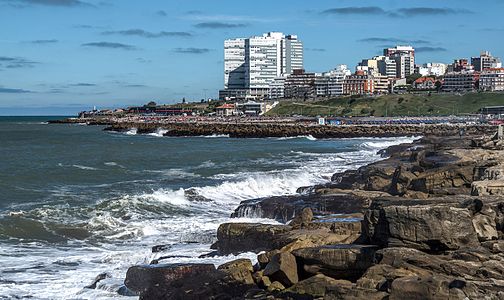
(492, 80)
(252, 108)
(464, 81)
(359, 83)
(380, 84)
(277, 88)
(234, 64)
(226, 110)
(404, 57)
(432, 69)
(485, 61)
(331, 83)
(300, 85)
(387, 67)
(254, 63)
(424, 83)
(233, 94)
(459, 65)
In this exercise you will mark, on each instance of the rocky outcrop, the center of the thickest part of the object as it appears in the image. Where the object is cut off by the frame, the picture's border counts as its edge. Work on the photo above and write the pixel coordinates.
(337, 261)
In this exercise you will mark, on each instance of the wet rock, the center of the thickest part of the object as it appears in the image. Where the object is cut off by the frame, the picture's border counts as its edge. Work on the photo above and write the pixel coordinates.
(143, 278)
(160, 248)
(282, 268)
(184, 281)
(98, 278)
(337, 261)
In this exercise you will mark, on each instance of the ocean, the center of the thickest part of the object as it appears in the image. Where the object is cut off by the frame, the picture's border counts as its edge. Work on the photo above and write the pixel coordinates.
(76, 201)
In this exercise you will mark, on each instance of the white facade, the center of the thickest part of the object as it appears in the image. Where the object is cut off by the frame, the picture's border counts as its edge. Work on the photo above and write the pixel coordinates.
(404, 57)
(277, 88)
(432, 69)
(253, 63)
(234, 63)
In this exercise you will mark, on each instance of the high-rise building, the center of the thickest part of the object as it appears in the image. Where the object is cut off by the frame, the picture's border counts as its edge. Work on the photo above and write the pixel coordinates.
(253, 63)
(485, 61)
(234, 63)
(404, 57)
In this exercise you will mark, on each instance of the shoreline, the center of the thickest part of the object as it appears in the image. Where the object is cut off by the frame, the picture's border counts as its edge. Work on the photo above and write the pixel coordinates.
(370, 196)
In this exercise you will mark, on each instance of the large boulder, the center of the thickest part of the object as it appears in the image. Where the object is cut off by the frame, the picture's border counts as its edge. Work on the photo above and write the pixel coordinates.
(314, 287)
(240, 270)
(421, 224)
(245, 237)
(488, 188)
(282, 268)
(184, 281)
(337, 261)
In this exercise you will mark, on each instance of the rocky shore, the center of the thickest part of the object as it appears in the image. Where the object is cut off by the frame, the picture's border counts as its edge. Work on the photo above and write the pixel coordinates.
(425, 223)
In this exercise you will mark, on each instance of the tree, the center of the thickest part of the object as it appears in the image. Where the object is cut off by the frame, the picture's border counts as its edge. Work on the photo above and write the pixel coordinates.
(152, 104)
(438, 85)
(410, 79)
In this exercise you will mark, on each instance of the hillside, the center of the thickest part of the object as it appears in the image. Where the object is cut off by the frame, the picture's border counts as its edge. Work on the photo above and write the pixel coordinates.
(392, 105)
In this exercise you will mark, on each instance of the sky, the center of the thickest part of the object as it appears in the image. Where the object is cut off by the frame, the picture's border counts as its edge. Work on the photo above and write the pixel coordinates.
(59, 57)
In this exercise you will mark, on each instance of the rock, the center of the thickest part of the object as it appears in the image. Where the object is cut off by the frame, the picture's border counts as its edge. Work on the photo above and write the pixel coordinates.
(282, 268)
(245, 237)
(160, 248)
(186, 281)
(98, 278)
(337, 261)
(485, 227)
(240, 270)
(488, 188)
(419, 224)
(285, 208)
(303, 219)
(275, 287)
(143, 278)
(314, 287)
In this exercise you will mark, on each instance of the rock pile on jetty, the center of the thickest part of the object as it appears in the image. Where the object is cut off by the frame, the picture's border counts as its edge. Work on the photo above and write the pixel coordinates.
(245, 130)
(426, 223)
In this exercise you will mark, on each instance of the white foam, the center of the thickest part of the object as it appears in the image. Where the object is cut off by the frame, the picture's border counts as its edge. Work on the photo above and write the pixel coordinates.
(159, 132)
(84, 167)
(132, 131)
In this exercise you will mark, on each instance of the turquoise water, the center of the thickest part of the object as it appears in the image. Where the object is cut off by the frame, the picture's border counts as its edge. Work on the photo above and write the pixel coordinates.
(76, 201)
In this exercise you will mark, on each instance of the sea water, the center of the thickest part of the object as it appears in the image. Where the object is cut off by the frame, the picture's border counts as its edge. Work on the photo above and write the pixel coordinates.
(76, 201)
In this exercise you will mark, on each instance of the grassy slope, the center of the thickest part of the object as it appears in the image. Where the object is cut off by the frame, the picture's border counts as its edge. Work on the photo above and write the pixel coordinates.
(392, 105)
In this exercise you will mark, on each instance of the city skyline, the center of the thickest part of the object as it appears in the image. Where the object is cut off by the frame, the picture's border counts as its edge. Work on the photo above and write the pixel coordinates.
(62, 56)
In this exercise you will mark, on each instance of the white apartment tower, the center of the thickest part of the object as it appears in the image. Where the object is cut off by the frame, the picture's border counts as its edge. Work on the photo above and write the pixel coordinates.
(253, 63)
(234, 63)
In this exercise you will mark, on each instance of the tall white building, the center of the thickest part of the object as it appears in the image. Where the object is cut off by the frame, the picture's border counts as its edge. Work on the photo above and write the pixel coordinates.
(234, 64)
(253, 63)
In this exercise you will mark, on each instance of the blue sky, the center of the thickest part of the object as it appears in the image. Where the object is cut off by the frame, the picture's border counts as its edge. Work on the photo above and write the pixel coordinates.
(63, 56)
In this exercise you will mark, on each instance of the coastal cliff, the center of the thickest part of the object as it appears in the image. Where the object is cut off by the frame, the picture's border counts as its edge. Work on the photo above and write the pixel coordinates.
(426, 223)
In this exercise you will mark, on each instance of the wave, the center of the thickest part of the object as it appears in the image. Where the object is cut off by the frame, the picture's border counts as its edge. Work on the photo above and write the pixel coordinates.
(308, 137)
(84, 167)
(380, 143)
(215, 136)
(159, 132)
(132, 131)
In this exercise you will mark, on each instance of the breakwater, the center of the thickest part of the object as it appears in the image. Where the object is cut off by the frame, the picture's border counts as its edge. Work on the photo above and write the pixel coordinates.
(244, 130)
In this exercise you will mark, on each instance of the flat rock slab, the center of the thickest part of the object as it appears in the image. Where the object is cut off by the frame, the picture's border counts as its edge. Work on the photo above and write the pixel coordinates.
(337, 261)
